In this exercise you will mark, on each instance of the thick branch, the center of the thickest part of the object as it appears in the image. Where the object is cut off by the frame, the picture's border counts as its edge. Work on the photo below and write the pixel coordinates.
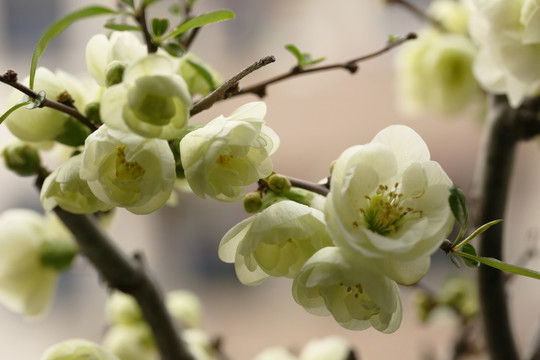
(351, 66)
(10, 78)
(496, 164)
(224, 90)
(128, 276)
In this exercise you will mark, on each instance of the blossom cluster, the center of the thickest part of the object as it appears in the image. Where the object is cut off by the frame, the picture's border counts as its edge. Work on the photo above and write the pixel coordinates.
(386, 212)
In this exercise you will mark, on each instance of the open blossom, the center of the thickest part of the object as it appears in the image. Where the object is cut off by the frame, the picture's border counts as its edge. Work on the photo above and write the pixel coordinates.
(65, 188)
(152, 100)
(275, 242)
(452, 14)
(328, 348)
(508, 35)
(388, 201)
(229, 153)
(103, 53)
(43, 124)
(77, 349)
(33, 251)
(125, 170)
(435, 73)
(333, 283)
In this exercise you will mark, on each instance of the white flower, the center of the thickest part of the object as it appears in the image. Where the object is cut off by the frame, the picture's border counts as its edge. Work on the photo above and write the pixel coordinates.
(389, 201)
(102, 53)
(452, 14)
(77, 349)
(32, 253)
(42, 124)
(275, 353)
(151, 100)
(122, 308)
(329, 348)
(508, 35)
(126, 170)
(65, 188)
(333, 283)
(275, 242)
(184, 307)
(197, 83)
(434, 72)
(131, 342)
(229, 153)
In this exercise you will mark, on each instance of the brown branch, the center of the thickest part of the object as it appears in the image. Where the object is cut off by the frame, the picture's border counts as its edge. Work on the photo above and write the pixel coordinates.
(418, 12)
(320, 189)
(223, 91)
(140, 17)
(351, 66)
(10, 78)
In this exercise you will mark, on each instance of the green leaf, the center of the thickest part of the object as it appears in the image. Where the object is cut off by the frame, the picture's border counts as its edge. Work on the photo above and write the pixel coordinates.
(497, 264)
(159, 26)
(204, 73)
(469, 249)
(129, 3)
(55, 29)
(476, 232)
(174, 49)
(122, 27)
(458, 205)
(455, 260)
(147, 3)
(12, 109)
(201, 20)
(303, 59)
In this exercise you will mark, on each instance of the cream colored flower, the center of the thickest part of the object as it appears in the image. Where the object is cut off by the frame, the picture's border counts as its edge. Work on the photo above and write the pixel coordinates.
(131, 342)
(125, 170)
(276, 242)
(229, 153)
(185, 307)
(197, 83)
(122, 308)
(328, 348)
(332, 282)
(389, 202)
(151, 100)
(77, 349)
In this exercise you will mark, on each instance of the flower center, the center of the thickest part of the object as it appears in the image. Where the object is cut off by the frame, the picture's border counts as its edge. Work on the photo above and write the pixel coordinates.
(385, 212)
(366, 307)
(127, 170)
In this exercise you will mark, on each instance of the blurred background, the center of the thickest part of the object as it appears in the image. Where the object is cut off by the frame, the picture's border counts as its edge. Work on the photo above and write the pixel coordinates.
(317, 117)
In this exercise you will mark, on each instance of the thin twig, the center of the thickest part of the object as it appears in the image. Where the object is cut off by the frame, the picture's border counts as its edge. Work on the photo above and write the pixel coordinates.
(351, 66)
(418, 12)
(140, 16)
(225, 88)
(306, 185)
(10, 78)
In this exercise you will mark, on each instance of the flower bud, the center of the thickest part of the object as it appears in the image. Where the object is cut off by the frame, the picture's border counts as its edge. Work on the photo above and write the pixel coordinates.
(92, 112)
(252, 202)
(22, 158)
(114, 74)
(185, 307)
(77, 349)
(57, 255)
(122, 308)
(279, 183)
(75, 133)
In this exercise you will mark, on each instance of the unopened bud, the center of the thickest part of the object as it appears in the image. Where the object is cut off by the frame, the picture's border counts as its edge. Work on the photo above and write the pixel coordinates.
(252, 202)
(92, 112)
(22, 158)
(279, 183)
(57, 255)
(75, 133)
(115, 73)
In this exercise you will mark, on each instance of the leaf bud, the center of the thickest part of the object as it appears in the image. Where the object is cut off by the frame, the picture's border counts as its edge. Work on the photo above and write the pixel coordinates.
(92, 112)
(75, 133)
(252, 202)
(57, 255)
(22, 158)
(279, 183)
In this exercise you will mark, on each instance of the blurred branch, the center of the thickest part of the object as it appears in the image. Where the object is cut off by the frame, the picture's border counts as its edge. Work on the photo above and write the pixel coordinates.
(351, 66)
(10, 78)
(417, 11)
(140, 17)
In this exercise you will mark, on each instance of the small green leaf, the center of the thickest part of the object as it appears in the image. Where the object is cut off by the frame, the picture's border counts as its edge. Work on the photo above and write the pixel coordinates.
(477, 232)
(458, 205)
(393, 38)
(201, 20)
(469, 249)
(147, 3)
(303, 59)
(204, 73)
(55, 29)
(174, 49)
(497, 264)
(297, 54)
(122, 27)
(455, 260)
(12, 109)
(160, 26)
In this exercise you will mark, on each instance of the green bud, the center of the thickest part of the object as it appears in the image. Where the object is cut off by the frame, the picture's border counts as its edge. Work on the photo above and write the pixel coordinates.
(114, 74)
(252, 202)
(75, 133)
(279, 183)
(22, 158)
(58, 255)
(92, 112)
(271, 198)
(300, 196)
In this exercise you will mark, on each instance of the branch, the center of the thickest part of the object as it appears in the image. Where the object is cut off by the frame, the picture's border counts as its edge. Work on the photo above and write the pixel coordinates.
(321, 189)
(126, 275)
(10, 78)
(418, 12)
(496, 162)
(140, 17)
(351, 66)
(223, 91)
